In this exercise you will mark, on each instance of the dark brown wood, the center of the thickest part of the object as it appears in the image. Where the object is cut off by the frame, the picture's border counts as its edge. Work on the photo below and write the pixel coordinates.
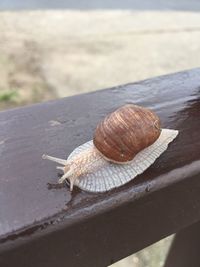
(43, 227)
(184, 250)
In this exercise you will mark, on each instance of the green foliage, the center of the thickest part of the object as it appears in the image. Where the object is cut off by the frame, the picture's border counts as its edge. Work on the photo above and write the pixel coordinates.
(8, 95)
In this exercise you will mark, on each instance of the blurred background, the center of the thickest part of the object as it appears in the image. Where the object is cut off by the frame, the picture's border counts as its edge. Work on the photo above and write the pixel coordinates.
(51, 49)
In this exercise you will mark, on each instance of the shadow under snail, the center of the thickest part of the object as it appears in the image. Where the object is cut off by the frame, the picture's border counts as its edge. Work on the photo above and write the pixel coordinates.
(125, 143)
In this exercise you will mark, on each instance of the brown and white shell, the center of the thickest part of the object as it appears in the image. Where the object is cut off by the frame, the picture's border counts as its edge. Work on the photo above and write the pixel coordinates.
(125, 132)
(112, 175)
(125, 144)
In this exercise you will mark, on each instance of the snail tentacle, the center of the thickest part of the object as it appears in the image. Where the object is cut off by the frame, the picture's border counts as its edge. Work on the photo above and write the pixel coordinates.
(72, 180)
(86, 162)
(65, 176)
(58, 160)
(125, 143)
(60, 168)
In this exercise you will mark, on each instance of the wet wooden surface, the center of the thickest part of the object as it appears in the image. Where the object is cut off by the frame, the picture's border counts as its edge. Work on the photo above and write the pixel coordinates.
(48, 227)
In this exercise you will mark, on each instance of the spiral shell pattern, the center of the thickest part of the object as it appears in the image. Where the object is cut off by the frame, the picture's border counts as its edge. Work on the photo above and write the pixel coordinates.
(125, 132)
(111, 175)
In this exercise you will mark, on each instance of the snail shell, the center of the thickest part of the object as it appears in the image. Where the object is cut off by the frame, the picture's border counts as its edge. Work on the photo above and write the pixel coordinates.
(125, 144)
(125, 132)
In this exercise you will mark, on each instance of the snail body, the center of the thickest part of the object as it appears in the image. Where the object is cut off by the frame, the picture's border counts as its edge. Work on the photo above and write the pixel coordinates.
(124, 145)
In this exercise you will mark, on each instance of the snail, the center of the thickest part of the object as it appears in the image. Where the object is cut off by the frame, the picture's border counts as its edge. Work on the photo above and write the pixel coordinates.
(125, 143)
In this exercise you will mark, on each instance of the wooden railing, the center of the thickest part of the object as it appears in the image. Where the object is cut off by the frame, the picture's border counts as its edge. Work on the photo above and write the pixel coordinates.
(54, 227)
